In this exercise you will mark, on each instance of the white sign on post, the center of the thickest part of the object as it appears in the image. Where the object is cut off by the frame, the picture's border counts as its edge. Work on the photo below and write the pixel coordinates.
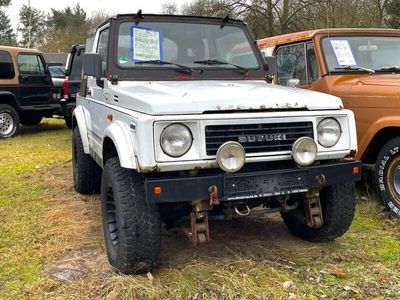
(145, 44)
(343, 53)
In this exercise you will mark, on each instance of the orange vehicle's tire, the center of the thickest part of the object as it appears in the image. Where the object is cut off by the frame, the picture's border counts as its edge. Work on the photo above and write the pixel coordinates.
(387, 176)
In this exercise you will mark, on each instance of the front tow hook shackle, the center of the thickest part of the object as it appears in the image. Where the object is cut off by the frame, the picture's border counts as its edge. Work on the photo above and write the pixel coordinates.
(244, 212)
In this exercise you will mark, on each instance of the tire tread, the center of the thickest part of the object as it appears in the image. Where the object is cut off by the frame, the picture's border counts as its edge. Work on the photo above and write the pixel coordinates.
(140, 241)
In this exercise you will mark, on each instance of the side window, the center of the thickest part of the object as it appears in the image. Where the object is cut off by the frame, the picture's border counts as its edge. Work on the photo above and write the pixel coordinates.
(30, 64)
(6, 66)
(102, 48)
(291, 63)
(312, 64)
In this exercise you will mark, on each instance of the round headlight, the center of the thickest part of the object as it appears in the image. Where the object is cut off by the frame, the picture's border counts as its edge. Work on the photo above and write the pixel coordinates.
(231, 157)
(329, 132)
(304, 151)
(176, 140)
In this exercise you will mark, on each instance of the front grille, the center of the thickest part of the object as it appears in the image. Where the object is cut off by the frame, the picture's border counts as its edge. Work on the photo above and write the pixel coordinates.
(256, 138)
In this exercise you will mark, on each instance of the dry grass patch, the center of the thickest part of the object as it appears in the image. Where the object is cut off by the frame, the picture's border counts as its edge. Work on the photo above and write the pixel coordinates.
(57, 250)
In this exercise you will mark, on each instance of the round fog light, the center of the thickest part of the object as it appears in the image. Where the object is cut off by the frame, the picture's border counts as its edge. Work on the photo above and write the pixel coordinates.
(231, 157)
(304, 151)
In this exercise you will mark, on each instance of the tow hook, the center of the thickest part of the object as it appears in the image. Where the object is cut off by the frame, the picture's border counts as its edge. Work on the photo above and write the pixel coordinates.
(242, 212)
(213, 191)
(313, 210)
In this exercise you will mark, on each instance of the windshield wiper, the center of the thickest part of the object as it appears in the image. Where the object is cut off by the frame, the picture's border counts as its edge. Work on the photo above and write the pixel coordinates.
(182, 68)
(392, 68)
(212, 62)
(355, 68)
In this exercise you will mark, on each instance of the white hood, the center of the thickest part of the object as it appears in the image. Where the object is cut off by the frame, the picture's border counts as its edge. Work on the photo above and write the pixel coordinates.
(196, 97)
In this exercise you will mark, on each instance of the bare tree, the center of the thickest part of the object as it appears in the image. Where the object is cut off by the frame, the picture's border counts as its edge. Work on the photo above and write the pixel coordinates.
(170, 8)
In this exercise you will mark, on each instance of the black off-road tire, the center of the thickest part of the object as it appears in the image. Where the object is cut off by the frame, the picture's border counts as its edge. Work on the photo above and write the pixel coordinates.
(132, 226)
(68, 122)
(9, 121)
(86, 172)
(338, 206)
(31, 119)
(387, 176)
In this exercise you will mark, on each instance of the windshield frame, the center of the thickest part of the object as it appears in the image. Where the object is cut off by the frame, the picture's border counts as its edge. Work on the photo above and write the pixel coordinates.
(350, 35)
(169, 72)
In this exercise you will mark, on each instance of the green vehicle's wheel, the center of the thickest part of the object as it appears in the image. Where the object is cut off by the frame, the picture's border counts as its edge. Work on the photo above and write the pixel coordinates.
(9, 121)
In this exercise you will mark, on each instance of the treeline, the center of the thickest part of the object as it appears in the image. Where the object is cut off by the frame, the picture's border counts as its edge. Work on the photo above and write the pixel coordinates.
(58, 30)
(52, 32)
(273, 17)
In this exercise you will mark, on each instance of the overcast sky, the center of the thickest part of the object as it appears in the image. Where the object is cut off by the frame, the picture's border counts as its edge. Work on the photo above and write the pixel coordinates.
(90, 6)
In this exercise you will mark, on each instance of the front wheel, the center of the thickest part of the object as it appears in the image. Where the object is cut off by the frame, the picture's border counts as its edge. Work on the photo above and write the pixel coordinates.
(338, 204)
(9, 121)
(132, 226)
(387, 176)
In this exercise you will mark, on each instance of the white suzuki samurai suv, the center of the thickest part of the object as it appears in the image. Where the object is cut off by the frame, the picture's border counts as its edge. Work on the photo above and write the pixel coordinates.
(175, 118)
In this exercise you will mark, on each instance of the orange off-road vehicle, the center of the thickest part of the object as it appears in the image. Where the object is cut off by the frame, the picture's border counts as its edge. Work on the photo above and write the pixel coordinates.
(362, 66)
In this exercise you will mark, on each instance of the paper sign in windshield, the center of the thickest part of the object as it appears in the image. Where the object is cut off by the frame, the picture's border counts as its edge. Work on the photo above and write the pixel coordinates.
(145, 44)
(343, 53)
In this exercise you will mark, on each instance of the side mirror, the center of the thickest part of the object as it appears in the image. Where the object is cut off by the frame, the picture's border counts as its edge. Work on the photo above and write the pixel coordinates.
(294, 83)
(92, 65)
(270, 65)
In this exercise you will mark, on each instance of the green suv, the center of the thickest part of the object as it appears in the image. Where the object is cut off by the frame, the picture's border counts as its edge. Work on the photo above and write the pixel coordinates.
(27, 93)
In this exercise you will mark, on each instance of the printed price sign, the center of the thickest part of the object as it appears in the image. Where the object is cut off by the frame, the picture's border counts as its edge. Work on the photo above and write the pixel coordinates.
(343, 53)
(146, 44)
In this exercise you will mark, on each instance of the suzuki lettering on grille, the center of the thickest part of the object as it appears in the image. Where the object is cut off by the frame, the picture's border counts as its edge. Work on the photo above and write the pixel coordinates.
(262, 138)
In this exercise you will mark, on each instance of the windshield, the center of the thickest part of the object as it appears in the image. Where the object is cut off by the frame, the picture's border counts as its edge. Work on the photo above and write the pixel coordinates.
(192, 45)
(377, 53)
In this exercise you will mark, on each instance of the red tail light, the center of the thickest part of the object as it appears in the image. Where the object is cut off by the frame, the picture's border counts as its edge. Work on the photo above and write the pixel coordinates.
(66, 88)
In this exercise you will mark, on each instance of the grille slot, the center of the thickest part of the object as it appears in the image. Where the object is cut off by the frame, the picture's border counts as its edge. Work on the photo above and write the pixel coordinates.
(266, 137)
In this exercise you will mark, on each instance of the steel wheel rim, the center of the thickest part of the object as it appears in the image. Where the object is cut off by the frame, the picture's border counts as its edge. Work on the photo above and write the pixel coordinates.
(6, 123)
(393, 180)
(111, 217)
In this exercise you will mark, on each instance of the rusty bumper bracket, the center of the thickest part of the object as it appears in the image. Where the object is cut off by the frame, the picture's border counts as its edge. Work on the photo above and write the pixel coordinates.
(313, 210)
(199, 232)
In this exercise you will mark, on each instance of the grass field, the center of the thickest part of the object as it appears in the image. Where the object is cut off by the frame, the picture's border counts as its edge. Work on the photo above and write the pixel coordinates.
(51, 244)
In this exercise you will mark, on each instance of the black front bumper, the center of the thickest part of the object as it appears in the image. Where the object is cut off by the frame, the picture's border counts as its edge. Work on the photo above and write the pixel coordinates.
(251, 185)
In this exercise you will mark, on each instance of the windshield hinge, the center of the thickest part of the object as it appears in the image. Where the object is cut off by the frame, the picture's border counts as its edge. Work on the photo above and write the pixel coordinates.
(138, 16)
(224, 21)
(114, 79)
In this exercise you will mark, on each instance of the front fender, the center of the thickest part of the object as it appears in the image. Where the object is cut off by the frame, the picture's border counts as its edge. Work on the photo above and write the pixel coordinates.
(373, 129)
(119, 133)
(79, 116)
